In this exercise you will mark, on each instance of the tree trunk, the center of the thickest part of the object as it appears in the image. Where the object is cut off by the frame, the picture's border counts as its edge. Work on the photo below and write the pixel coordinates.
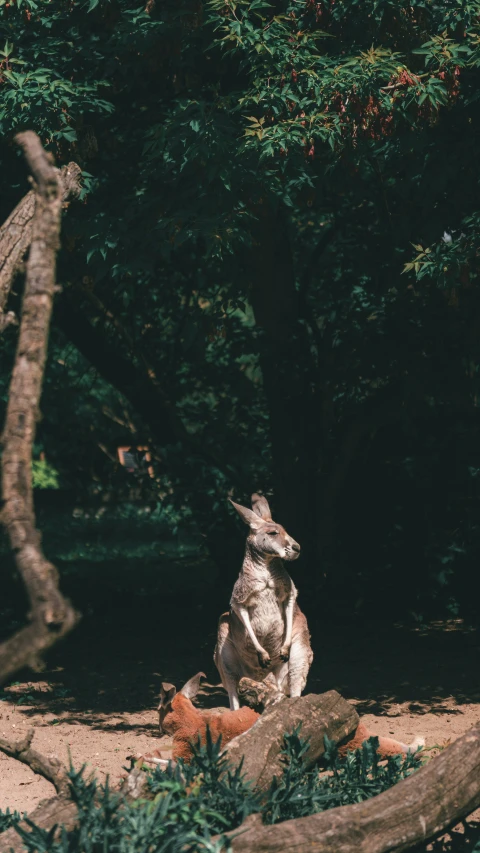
(287, 366)
(51, 616)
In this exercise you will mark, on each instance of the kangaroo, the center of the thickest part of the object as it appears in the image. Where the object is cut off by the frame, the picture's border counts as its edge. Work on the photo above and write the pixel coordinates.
(265, 630)
(179, 718)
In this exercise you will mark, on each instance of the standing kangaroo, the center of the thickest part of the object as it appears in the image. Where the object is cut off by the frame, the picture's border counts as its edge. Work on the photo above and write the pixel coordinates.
(265, 630)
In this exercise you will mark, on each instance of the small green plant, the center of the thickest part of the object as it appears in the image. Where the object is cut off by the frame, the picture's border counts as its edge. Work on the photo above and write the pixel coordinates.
(357, 777)
(44, 475)
(211, 788)
(8, 819)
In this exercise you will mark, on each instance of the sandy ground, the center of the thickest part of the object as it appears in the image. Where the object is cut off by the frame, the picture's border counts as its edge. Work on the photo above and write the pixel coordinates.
(104, 742)
(98, 708)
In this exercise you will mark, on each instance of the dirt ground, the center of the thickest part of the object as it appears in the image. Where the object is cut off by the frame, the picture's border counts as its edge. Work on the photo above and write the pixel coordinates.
(95, 703)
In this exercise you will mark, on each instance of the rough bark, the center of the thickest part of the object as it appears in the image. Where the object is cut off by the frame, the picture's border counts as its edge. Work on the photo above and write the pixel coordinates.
(261, 746)
(259, 695)
(419, 808)
(16, 231)
(51, 616)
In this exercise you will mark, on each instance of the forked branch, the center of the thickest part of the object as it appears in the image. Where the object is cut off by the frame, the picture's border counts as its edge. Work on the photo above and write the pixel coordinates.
(51, 768)
(16, 235)
(51, 616)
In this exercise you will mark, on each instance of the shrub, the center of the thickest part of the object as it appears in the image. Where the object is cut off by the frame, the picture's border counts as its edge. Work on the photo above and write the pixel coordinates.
(192, 803)
(8, 819)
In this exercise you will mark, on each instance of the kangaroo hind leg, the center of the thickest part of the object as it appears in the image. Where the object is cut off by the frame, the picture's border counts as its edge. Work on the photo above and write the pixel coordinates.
(227, 663)
(300, 660)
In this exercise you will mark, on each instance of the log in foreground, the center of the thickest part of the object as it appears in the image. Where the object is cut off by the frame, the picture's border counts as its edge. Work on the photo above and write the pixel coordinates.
(419, 808)
(51, 616)
(261, 746)
(415, 810)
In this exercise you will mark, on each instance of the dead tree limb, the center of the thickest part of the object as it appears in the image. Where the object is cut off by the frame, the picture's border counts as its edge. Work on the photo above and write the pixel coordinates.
(51, 768)
(51, 616)
(16, 234)
(260, 748)
(419, 808)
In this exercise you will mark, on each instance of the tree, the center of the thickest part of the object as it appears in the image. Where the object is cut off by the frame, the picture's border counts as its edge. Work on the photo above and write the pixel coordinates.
(51, 615)
(255, 175)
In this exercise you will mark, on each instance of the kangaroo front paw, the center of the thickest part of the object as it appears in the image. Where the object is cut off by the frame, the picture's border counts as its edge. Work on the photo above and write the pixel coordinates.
(285, 653)
(264, 659)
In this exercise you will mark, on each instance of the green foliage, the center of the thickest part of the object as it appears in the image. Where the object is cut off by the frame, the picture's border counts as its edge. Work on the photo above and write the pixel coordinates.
(256, 175)
(194, 802)
(357, 777)
(214, 790)
(44, 475)
(40, 97)
(8, 819)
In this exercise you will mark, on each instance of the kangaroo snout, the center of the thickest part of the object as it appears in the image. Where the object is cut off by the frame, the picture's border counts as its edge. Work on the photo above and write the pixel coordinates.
(292, 551)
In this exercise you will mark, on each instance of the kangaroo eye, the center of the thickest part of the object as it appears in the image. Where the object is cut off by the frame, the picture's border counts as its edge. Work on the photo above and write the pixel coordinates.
(273, 532)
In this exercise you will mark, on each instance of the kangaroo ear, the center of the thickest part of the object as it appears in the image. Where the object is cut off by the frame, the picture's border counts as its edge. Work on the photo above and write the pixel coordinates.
(249, 517)
(167, 693)
(191, 688)
(260, 507)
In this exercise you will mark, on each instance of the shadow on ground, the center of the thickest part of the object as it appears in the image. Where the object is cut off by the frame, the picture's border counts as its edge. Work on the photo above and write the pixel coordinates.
(115, 665)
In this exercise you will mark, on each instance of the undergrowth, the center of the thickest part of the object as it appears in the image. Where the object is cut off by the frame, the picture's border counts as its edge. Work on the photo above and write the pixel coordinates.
(8, 819)
(192, 803)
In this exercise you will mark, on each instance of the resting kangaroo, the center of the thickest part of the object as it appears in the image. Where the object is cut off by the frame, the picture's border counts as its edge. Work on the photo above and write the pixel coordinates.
(179, 718)
(265, 630)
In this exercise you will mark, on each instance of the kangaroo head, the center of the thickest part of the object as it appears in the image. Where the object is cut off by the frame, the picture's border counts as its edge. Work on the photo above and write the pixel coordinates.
(266, 536)
(167, 722)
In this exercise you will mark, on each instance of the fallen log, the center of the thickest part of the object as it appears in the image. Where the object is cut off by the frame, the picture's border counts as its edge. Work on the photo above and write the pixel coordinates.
(428, 803)
(261, 746)
(415, 810)
(260, 695)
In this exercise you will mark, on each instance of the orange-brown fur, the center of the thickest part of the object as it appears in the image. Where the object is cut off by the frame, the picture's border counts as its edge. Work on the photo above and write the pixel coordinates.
(186, 723)
(386, 745)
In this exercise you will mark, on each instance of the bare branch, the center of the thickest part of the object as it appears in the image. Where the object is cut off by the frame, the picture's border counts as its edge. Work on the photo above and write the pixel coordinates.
(51, 616)
(16, 231)
(51, 768)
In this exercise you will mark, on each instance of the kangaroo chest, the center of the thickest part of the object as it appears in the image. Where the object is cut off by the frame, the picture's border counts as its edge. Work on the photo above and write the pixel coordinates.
(265, 594)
